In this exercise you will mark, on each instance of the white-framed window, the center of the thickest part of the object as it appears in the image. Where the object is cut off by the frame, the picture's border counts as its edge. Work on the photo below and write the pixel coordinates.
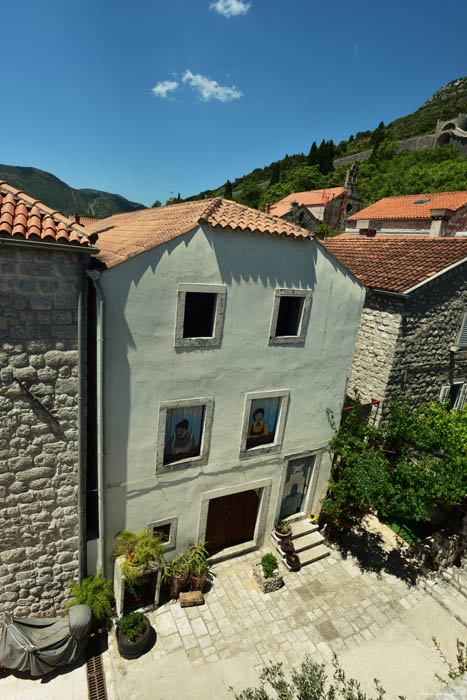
(184, 433)
(454, 394)
(263, 422)
(290, 313)
(462, 337)
(167, 529)
(200, 315)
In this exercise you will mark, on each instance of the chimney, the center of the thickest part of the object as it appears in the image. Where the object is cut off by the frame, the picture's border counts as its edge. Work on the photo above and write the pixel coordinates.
(77, 219)
(268, 208)
(367, 227)
(293, 204)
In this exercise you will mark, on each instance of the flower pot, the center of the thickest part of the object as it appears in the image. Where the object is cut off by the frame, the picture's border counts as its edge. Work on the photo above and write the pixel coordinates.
(293, 562)
(197, 584)
(131, 650)
(282, 535)
(177, 585)
(287, 546)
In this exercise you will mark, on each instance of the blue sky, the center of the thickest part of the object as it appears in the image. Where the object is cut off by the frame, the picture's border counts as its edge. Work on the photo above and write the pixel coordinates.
(152, 98)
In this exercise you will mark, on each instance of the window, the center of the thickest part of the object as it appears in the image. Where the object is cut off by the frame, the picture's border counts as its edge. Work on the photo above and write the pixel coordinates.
(167, 527)
(184, 433)
(263, 422)
(289, 316)
(455, 395)
(462, 339)
(200, 315)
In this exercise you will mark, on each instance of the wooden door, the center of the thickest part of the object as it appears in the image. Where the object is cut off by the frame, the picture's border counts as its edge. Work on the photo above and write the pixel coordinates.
(231, 520)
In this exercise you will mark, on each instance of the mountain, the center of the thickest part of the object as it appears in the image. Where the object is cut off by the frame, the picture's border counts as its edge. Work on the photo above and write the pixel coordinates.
(385, 174)
(57, 195)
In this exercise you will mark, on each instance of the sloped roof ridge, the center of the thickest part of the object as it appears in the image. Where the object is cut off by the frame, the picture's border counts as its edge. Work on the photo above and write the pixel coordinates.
(213, 206)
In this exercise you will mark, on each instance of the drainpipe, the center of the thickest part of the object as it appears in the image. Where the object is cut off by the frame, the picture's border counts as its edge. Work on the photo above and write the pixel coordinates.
(94, 275)
(82, 554)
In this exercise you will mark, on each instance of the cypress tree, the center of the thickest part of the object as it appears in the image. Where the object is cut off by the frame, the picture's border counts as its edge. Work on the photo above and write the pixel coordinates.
(228, 190)
(313, 155)
(275, 174)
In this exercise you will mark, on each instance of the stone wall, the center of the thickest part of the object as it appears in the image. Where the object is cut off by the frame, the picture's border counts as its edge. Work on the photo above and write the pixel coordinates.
(38, 457)
(375, 347)
(416, 143)
(432, 318)
(354, 158)
(457, 222)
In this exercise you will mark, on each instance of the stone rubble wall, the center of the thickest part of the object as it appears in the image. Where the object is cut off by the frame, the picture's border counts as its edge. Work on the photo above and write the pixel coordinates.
(432, 319)
(375, 348)
(38, 459)
(458, 222)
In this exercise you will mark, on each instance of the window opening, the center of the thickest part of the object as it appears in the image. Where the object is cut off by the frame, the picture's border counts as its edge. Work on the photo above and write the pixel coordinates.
(289, 316)
(200, 310)
(163, 531)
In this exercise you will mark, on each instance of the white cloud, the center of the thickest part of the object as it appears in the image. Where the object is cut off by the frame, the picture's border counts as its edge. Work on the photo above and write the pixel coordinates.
(210, 89)
(163, 88)
(230, 8)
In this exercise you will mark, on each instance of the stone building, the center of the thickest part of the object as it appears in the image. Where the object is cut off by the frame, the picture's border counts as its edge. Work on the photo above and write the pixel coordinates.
(41, 255)
(413, 331)
(332, 206)
(229, 333)
(437, 215)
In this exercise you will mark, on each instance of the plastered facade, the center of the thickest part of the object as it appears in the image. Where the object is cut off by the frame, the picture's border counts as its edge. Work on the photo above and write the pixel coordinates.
(38, 455)
(143, 369)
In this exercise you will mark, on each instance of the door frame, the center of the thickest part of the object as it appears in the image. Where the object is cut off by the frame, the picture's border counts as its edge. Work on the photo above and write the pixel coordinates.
(264, 486)
(311, 493)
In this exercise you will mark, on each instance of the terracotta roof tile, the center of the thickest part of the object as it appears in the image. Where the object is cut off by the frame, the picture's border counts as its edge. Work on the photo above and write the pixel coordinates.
(396, 265)
(23, 217)
(131, 233)
(405, 208)
(308, 199)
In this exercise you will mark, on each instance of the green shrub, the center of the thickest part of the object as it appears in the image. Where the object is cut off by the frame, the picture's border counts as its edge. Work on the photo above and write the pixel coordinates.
(131, 625)
(142, 551)
(269, 564)
(96, 592)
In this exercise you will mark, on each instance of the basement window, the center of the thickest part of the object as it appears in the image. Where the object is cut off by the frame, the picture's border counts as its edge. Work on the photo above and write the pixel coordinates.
(200, 315)
(289, 316)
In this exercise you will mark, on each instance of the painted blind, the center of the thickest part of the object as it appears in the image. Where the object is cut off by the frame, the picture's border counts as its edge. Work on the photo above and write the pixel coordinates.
(462, 340)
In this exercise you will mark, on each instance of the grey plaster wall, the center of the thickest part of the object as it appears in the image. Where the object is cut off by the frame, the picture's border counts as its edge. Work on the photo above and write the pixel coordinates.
(38, 346)
(143, 369)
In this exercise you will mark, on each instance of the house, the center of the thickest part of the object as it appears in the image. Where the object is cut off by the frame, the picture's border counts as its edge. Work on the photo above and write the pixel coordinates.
(437, 215)
(228, 336)
(42, 309)
(413, 332)
(331, 206)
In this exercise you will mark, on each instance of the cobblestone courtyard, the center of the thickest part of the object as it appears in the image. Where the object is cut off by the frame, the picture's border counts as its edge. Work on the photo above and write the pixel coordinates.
(377, 624)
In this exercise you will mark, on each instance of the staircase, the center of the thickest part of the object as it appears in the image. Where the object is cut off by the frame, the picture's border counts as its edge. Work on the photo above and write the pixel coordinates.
(450, 590)
(308, 542)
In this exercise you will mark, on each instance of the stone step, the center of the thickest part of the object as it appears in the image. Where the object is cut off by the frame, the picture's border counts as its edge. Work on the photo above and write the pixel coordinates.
(314, 554)
(312, 539)
(303, 527)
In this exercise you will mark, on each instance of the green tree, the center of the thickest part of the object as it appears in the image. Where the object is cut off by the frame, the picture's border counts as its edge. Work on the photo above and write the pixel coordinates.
(275, 174)
(250, 194)
(313, 155)
(228, 190)
(157, 203)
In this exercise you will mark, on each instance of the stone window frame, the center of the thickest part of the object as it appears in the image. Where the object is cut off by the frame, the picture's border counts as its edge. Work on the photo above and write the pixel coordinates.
(298, 339)
(182, 288)
(276, 446)
(173, 522)
(202, 459)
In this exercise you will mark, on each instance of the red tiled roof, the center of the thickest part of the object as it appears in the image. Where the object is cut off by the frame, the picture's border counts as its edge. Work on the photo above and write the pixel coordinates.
(405, 208)
(308, 199)
(396, 264)
(23, 217)
(135, 232)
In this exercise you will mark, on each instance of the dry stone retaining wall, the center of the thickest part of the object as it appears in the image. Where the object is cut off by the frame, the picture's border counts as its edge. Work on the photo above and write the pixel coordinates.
(38, 458)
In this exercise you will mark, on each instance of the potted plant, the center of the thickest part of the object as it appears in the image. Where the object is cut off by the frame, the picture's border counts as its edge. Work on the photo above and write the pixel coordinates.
(282, 530)
(293, 561)
(287, 546)
(199, 567)
(96, 592)
(177, 573)
(266, 573)
(133, 635)
(142, 551)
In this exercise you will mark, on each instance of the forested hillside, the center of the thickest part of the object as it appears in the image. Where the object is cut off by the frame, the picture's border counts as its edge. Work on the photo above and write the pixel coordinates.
(384, 174)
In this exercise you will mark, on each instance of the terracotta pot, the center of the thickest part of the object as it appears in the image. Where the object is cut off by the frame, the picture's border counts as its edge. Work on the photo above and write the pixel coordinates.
(177, 585)
(282, 535)
(293, 561)
(197, 584)
(287, 546)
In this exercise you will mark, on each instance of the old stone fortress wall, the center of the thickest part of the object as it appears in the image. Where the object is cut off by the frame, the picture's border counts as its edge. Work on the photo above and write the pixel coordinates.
(452, 131)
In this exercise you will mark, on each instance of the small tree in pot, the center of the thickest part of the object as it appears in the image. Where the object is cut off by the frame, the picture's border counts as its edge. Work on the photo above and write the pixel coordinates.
(133, 635)
(199, 567)
(177, 573)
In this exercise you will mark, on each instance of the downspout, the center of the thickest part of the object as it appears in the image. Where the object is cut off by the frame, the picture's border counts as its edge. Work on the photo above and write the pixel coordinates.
(94, 275)
(82, 312)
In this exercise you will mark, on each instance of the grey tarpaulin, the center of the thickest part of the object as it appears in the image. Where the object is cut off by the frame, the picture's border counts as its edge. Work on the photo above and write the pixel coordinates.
(41, 645)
